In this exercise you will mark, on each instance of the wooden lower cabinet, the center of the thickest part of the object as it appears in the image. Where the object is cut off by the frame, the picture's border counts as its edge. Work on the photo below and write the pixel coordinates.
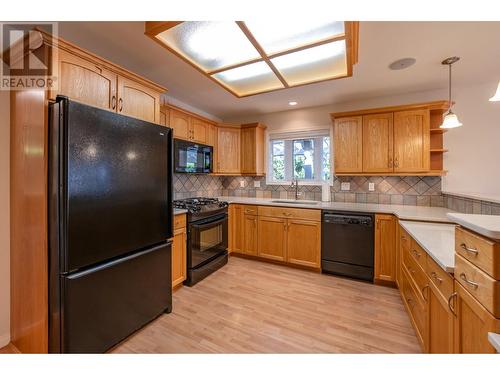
(441, 321)
(250, 234)
(179, 267)
(304, 242)
(272, 238)
(236, 216)
(416, 307)
(472, 324)
(385, 248)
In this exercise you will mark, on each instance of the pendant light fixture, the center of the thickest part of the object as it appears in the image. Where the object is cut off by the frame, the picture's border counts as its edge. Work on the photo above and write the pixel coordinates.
(450, 119)
(496, 97)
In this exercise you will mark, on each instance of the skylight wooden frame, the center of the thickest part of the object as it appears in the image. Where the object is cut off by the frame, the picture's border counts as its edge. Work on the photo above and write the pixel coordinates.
(350, 35)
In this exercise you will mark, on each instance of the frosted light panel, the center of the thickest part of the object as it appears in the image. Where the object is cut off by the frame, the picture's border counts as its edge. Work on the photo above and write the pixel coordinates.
(210, 45)
(313, 64)
(278, 36)
(249, 79)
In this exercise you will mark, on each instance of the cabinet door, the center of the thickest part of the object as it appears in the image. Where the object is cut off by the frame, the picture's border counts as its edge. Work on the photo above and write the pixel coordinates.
(86, 82)
(179, 122)
(385, 248)
(348, 144)
(199, 130)
(138, 101)
(272, 238)
(236, 228)
(472, 324)
(228, 149)
(377, 143)
(179, 257)
(412, 141)
(304, 242)
(250, 234)
(248, 151)
(441, 321)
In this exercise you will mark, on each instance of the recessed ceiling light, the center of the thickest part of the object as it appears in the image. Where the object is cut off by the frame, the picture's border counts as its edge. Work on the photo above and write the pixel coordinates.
(402, 63)
(292, 103)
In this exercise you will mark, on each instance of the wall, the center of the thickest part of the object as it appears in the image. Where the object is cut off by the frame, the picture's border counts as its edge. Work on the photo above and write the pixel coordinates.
(472, 160)
(4, 219)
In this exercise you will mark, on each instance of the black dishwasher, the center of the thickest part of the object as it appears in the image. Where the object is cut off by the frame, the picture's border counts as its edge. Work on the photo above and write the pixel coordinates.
(347, 244)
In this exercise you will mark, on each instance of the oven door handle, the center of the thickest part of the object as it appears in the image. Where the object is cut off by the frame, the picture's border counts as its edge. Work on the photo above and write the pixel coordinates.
(209, 224)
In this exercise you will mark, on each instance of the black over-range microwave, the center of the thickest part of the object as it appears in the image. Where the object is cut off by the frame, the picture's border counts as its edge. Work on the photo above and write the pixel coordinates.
(190, 157)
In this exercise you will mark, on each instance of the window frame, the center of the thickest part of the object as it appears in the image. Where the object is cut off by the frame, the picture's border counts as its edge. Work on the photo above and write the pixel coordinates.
(288, 139)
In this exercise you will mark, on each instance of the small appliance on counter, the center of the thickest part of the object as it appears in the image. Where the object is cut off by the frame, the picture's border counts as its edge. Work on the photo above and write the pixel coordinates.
(110, 220)
(190, 157)
(207, 236)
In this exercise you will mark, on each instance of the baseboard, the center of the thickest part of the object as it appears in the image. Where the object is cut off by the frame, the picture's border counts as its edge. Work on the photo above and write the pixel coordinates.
(4, 340)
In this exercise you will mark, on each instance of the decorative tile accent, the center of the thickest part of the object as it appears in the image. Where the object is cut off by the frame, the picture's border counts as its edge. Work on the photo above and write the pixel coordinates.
(471, 206)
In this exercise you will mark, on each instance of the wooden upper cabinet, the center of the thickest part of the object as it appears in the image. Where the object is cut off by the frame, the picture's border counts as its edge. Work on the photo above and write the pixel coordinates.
(348, 145)
(412, 141)
(199, 130)
(304, 242)
(164, 116)
(252, 149)
(385, 248)
(378, 143)
(228, 150)
(179, 122)
(137, 100)
(86, 82)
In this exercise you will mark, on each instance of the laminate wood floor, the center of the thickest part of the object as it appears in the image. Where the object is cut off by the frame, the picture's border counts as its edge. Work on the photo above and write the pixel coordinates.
(255, 307)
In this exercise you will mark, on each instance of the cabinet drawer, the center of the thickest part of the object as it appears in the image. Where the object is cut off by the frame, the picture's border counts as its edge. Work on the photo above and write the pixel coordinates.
(416, 309)
(179, 221)
(481, 286)
(250, 209)
(440, 278)
(478, 250)
(418, 254)
(416, 273)
(290, 213)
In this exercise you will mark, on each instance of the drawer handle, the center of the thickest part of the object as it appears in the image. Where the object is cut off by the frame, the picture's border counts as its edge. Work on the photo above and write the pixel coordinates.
(411, 270)
(120, 104)
(410, 302)
(463, 276)
(113, 102)
(469, 249)
(423, 291)
(450, 298)
(417, 254)
(436, 277)
(247, 211)
(287, 214)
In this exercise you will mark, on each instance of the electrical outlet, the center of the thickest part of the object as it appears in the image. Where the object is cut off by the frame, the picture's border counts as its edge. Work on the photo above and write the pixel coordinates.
(345, 186)
(242, 183)
(256, 184)
(371, 186)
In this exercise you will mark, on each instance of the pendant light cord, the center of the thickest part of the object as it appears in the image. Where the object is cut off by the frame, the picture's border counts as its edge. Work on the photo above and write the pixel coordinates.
(449, 89)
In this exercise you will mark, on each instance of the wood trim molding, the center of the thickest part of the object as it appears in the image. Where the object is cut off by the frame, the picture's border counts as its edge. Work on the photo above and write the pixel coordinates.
(436, 105)
(192, 114)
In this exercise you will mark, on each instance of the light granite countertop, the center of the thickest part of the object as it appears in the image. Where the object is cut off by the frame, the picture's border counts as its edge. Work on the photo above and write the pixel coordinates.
(419, 213)
(487, 225)
(494, 339)
(179, 211)
(438, 240)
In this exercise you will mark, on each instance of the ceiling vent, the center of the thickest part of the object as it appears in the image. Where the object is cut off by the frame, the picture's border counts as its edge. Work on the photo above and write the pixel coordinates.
(402, 63)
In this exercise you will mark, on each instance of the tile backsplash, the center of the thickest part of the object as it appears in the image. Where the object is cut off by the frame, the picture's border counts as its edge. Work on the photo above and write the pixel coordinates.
(410, 190)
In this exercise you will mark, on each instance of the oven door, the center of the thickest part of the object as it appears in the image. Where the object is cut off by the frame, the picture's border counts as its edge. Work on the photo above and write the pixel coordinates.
(207, 239)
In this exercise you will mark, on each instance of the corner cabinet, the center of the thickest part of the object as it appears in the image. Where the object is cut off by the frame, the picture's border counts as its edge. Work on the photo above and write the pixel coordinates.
(401, 140)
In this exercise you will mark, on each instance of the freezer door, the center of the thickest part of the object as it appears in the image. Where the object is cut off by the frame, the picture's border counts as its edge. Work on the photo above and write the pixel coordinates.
(104, 305)
(117, 184)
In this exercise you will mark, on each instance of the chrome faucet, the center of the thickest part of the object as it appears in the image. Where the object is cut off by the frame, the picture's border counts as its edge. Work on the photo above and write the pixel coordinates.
(295, 184)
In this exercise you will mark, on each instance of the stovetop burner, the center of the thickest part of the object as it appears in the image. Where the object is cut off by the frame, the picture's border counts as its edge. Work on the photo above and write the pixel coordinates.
(200, 204)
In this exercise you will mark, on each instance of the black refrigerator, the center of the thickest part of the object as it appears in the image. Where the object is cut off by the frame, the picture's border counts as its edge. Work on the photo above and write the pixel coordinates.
(110, 218)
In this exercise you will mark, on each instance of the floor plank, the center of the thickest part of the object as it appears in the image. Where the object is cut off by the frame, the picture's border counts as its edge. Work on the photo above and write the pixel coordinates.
(255, 307)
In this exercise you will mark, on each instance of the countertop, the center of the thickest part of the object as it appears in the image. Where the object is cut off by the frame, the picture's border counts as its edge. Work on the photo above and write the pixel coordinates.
(487, 225)
(494, 339)
(419, 213)
(179, 211)
(438, 240)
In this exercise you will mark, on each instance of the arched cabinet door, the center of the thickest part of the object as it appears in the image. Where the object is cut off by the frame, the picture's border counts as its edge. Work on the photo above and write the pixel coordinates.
(84, 81)
(137, 100)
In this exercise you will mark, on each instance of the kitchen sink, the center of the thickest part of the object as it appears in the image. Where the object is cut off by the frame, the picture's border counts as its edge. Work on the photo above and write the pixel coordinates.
(293, 201)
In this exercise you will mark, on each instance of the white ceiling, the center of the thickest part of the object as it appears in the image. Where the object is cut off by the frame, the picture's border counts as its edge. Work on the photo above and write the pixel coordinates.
(380, 44)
